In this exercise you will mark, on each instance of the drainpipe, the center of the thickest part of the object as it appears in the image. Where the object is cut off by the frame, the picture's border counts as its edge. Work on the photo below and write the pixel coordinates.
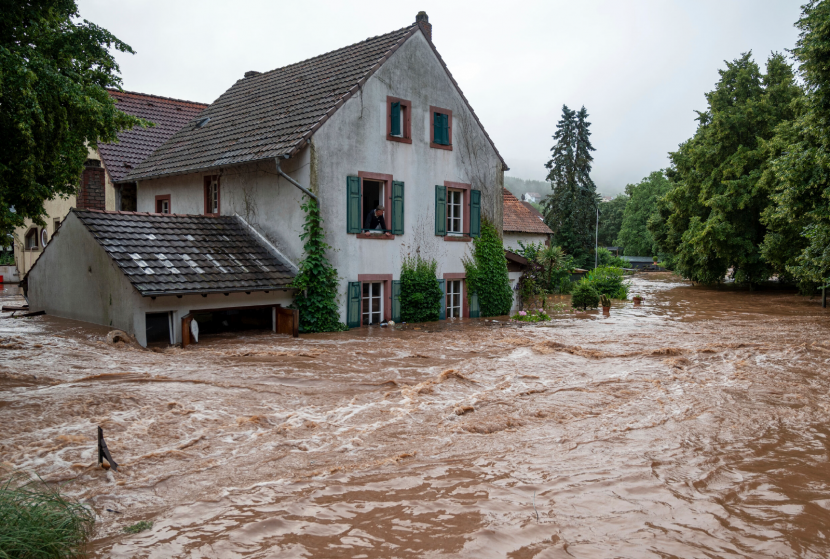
(292, 181)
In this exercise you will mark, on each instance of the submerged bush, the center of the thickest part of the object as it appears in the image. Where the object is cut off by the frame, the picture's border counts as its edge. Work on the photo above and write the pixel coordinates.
(37, 522)
(608, 280)
(584, 295)
(420, 290)
(608, 258)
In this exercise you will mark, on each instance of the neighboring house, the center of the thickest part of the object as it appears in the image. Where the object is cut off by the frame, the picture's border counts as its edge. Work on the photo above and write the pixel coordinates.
(378, 122)
(522, 222)
(102, 185)
(150, 275)
(531, 197)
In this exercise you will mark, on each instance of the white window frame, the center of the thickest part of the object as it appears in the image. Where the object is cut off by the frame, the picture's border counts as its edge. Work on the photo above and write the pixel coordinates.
(165, 206)
(452, 209)
(375, 292)
(213, 196)
(32, 233)
(454, 298)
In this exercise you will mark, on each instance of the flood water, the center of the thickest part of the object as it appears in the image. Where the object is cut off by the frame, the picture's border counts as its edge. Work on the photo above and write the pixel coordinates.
(694, 425)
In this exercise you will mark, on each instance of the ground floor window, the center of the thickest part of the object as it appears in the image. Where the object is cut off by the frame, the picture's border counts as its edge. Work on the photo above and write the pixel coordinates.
(31, 239)
(372, 302)
(454, 298)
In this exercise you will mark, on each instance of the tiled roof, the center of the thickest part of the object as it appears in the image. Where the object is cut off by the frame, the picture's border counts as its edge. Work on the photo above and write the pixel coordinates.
(274, 113)
(179, 254)
(518, 218)
(135, 145)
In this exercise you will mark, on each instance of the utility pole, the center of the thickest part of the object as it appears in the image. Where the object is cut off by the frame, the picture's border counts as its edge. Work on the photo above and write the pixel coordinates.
(596, 244)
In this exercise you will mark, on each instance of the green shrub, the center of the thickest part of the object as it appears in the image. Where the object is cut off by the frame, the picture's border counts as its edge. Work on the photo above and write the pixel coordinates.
(566, 285)
(607, 258)
(584, 295)
(37, 522)
(139, 527)
(487, 273)
(420, 290)
(609, 281)
(316, 283)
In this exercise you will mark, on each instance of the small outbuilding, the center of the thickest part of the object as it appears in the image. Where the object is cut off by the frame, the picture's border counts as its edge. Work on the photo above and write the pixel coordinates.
(151, 275)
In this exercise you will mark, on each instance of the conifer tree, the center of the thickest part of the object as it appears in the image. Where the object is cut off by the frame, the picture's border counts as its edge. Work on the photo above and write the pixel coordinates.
(570, 209)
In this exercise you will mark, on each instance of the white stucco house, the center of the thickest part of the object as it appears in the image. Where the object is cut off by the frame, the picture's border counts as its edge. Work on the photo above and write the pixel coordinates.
(522, 223)
(380, 122)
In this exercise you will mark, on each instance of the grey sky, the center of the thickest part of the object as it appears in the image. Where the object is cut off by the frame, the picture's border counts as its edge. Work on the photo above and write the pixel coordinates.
(639, 67)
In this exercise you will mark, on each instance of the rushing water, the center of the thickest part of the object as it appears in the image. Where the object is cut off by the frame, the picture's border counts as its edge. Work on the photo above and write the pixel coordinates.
(695, 425)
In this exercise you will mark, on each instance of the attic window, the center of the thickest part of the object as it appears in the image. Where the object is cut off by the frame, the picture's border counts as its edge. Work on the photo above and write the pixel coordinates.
(202, 122)
(398, 120)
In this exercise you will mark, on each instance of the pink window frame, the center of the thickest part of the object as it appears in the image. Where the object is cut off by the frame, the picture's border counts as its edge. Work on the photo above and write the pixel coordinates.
(465, 209)
(386, 279)
(387, 203)
(432, 111)
(465, 307)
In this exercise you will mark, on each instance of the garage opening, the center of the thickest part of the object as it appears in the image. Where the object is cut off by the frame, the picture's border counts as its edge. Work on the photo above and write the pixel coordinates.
(233, 320)
(158, 328)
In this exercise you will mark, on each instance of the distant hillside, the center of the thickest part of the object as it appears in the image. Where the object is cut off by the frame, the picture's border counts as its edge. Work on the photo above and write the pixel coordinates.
(519, 186)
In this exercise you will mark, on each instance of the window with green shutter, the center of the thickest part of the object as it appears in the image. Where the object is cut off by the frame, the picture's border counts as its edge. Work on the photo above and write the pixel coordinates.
(441, 128)
(396, 300)
(395, 118)
(475, 213)
(397, 207)
(353, 305)
(353, 217)
(442, 314)
(440, 210)
(475, 310)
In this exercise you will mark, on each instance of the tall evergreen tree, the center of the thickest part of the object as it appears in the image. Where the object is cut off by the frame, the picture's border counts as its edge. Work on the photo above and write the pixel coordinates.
(710, 222)
(570, 210)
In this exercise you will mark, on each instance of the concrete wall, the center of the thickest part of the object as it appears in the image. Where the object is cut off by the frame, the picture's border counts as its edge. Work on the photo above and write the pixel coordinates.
(354, 140)
(511, 240)
(75, 278)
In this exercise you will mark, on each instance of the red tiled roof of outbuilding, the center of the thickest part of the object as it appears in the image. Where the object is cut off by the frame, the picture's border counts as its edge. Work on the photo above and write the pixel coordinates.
(520, 219)
(136, 145)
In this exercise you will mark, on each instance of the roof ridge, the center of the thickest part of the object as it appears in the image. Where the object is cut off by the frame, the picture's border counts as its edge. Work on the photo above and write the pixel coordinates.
(113, 90)
(408, 27)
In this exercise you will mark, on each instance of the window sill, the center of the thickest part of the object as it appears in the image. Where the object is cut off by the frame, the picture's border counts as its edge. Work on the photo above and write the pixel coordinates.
(458, 238)
(376, 236)
(440, 146)
(399, 139)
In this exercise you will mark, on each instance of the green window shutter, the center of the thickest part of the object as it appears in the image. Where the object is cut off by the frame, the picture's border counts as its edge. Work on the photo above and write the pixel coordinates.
(442, 314)
(475, 213)
(440, 210)
(475, 311)
(396, 300)
(396, 119)
(353, 308)
(353, 218)
(436, 128)
(445, 129)
(397, 208)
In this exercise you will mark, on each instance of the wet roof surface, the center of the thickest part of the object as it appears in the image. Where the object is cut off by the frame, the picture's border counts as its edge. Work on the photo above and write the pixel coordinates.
(520, 218)
(135, 145)
(177, 254)
(268, 114)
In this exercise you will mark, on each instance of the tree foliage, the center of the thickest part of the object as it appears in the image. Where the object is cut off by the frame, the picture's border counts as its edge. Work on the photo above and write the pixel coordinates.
(420, 290)
(798, 241)
(53, 102)
(584, 295)
(316, 283)
(634, 236)
(570, 210)
(548, 270)
(710, 221)
(610, 219)
(608, 280)
(487, 272)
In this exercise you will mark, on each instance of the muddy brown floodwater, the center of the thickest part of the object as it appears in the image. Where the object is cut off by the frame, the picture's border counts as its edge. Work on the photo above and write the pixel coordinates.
(695, 425)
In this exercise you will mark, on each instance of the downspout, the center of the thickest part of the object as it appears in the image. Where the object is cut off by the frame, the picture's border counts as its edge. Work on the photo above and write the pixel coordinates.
(292, 181)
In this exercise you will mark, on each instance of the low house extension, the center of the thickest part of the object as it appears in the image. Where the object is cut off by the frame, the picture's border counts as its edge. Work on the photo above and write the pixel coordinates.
(522, 222)
(377, 126)
(152, 275)
(102, 185)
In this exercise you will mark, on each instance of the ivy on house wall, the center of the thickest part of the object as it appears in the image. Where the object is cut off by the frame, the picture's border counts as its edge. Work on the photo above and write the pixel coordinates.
(420, 291)
(316, 283)
(487, 272)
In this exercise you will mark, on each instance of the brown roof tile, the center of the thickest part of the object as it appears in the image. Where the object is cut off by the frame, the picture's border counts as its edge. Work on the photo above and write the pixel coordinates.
(518, 218)
(134, 146)
(274, 113)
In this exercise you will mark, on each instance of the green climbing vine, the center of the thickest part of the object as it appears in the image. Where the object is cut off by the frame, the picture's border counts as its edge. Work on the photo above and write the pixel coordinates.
(316, 283)
(487, 273)
(420, 290)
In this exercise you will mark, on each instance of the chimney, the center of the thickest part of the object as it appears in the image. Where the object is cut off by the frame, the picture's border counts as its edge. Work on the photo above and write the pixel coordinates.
(252, 73)
(422, 19)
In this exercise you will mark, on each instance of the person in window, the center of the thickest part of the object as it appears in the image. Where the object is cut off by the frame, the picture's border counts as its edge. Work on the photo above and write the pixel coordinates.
(374, 220)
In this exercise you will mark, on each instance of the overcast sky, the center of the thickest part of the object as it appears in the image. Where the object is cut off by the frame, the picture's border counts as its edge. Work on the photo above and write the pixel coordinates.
(639, 67)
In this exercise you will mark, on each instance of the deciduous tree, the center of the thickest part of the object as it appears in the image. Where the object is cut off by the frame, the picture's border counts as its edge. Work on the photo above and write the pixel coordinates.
(634, 235)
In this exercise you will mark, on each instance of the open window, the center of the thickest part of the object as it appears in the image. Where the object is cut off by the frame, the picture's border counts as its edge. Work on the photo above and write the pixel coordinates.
(163, 204)
(212, 195)
(365, 193)
(31, 240)
(440, 128)
(455, 212)
(398, 120)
